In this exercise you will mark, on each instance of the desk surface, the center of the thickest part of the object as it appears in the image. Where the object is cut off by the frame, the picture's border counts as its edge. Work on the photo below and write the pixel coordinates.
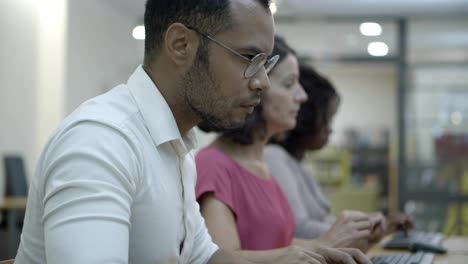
(13, 202)
(457, 251)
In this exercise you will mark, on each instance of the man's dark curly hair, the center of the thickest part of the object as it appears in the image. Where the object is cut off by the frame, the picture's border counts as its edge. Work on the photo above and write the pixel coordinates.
(313, 114)
(208, 16)
(254, 126)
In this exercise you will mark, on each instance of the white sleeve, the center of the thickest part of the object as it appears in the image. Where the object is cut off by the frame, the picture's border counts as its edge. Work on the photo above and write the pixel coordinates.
(204, 247)
(88, 191)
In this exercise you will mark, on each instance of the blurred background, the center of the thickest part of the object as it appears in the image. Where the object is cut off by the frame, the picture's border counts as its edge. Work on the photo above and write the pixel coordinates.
(400, 138)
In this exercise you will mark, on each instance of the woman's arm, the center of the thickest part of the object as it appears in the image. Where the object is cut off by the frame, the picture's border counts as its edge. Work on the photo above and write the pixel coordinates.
(222, 227)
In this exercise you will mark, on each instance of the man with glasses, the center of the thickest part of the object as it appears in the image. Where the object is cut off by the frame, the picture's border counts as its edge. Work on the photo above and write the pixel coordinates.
(115, 183)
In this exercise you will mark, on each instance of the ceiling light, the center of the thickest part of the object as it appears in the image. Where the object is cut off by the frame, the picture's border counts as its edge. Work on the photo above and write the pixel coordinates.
(273, 8)
(377, 49)
(457, 118)
(370, 29)
(139, 32)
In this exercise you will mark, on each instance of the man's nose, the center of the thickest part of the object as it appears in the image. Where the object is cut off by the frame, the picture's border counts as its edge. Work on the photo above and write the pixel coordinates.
(259, 82)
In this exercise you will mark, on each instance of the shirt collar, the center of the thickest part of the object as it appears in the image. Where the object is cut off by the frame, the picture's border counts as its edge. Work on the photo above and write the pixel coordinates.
(156, 112)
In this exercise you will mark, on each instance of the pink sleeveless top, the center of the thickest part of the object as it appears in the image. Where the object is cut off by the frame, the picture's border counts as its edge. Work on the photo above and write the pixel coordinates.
(263, 217)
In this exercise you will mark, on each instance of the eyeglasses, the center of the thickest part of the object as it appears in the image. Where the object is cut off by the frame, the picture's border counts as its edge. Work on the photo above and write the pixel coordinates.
(255, 64)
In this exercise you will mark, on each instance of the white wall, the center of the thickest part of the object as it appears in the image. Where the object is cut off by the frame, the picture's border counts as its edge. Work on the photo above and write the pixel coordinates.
(101, 50)
(52, 58)
(32, 73)
(368, 98)
(18, 78)
(50, 70)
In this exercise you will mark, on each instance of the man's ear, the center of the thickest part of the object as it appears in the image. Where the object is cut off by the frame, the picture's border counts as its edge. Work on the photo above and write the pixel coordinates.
(181, 44)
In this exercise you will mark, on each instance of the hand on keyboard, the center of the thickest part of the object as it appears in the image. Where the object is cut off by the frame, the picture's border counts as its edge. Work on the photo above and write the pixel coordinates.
(399, 222)
(342, 255)
(378, 230)
(351, 229)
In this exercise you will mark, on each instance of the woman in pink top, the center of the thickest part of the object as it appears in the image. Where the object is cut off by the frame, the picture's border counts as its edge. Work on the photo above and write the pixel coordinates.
(243, 205)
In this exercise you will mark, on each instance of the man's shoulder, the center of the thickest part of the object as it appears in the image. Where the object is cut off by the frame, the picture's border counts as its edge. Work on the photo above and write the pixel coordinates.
(116, 107)
(108, 115)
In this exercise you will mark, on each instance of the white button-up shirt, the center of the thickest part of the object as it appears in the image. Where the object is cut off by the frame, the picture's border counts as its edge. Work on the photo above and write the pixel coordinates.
(115, 184)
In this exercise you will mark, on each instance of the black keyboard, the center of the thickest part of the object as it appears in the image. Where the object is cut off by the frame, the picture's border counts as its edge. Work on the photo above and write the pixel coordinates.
(417, 258)
(400, 241)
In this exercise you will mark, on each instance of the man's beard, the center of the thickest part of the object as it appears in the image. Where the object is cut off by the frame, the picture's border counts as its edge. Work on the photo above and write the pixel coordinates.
(200, 90)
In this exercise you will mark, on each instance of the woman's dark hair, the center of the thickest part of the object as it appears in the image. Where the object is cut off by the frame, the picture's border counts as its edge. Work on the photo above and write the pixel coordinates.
(254, 126)
(314, 113)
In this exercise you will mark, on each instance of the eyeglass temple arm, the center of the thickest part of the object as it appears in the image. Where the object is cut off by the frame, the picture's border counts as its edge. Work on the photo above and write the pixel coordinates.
(221, 44)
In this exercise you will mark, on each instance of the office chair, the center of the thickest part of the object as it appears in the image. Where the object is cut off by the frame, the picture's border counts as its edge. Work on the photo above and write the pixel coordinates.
(16, 186)
(15, 176)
